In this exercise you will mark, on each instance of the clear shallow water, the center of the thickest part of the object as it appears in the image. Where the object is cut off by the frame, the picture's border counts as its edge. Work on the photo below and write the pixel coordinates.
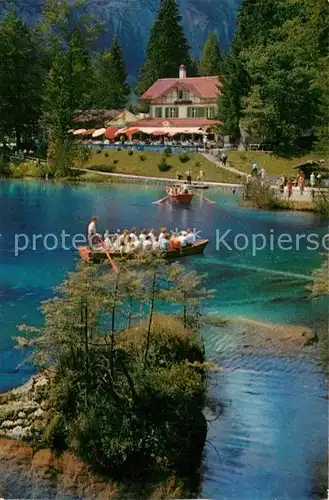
(273, 429)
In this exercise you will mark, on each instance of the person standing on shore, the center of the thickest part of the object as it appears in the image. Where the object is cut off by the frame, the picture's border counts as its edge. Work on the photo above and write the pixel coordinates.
(188, 176)
(281, 183)
(201, 175)
(262, 175)
(223, 158)
(312, 179)
(301, 183)
(289, 186)
(254, 170)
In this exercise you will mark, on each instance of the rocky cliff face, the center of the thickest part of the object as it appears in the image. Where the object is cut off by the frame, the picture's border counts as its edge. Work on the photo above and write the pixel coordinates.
(131, 20)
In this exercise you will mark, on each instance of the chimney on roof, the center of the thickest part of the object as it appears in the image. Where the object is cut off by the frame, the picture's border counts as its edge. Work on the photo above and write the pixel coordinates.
(182, 71)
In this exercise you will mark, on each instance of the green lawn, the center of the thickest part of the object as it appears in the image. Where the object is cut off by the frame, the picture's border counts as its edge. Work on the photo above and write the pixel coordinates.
(273, 164)
(146, 164)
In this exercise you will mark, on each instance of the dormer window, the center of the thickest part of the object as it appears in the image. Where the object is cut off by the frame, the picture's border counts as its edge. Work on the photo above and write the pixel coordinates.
(183, 95)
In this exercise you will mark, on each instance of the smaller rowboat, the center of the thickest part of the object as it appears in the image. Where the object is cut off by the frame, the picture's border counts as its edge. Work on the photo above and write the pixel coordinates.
(99, 255)
(200, 186)
(181, 198)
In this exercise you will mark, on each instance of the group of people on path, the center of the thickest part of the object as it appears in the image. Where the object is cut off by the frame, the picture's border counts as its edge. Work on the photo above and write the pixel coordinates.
(299, 182)
(130, 241)
(254, 172)
(188, 174)
(290, 183)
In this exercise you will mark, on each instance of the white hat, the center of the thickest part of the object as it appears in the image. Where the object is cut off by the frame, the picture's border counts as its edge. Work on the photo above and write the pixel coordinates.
(184, 233)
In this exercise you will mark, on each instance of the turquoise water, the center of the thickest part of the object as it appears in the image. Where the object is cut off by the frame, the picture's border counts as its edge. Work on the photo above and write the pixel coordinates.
(273, 429)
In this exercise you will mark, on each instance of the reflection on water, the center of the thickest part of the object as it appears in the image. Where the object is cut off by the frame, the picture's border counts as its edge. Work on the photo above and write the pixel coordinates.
(273, 431)
(272, 434)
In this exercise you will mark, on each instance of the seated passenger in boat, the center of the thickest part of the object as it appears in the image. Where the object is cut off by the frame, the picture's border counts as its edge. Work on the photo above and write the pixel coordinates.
(156, 244)
(182, 238)
(115, 242)
(152, 235)
(163, 233)
(164, 243)
(190, 237)
(142, 236)
(122, 248)
(174, 242)
(184, 189)
(137, 246)
(107, 240)
(147, 244)
(123, 237)
(129, 245)
(133, 234)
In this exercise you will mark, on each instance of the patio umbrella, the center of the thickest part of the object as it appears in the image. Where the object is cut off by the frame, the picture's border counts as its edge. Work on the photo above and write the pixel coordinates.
(80, 131)
(99, 132)
(129, 131)
(157, 133)
(89, 132)
(110, 132)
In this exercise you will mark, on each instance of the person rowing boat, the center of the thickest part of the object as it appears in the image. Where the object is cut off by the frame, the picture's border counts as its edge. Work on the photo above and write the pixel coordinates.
(94, 239)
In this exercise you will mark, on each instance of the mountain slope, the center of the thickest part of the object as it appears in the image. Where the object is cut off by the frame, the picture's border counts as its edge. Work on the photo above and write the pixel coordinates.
(131, 20)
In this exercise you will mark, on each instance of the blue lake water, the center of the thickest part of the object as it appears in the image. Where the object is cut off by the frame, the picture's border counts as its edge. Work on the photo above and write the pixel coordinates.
(273, 431)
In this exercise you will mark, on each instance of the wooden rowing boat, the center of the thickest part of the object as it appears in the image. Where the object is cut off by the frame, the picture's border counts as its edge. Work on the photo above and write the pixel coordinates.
(99, 255)
(182, 199)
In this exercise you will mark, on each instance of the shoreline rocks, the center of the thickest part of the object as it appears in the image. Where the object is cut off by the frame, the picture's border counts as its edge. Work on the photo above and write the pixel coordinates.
(22, 412)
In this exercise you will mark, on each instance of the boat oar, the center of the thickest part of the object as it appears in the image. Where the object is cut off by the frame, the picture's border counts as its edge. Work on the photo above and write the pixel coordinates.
(204, 198)
(108, 255)
(160, 201)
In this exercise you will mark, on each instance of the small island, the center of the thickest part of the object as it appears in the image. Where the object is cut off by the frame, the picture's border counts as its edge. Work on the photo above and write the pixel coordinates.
(122, 386)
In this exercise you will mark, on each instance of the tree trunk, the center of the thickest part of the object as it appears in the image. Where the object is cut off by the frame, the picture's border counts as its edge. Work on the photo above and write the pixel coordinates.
(185, 312)
(86, 341)
(148, 337)
(130, 311)
(18, 137)
(113, 323)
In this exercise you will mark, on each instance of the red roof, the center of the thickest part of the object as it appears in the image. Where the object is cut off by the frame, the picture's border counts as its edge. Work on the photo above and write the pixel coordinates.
(175, 122)
(204, 86)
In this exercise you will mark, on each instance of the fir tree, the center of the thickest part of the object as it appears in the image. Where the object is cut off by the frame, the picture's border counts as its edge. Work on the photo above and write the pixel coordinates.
(112, 89)
(235, 84)
(21, 77)
(69, 83)
(211, 58)
(272, 78)
(167, 48)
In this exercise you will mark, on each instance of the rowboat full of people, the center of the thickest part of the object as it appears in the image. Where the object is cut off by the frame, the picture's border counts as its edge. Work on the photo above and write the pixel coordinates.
(171, 245)
(180, 194)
